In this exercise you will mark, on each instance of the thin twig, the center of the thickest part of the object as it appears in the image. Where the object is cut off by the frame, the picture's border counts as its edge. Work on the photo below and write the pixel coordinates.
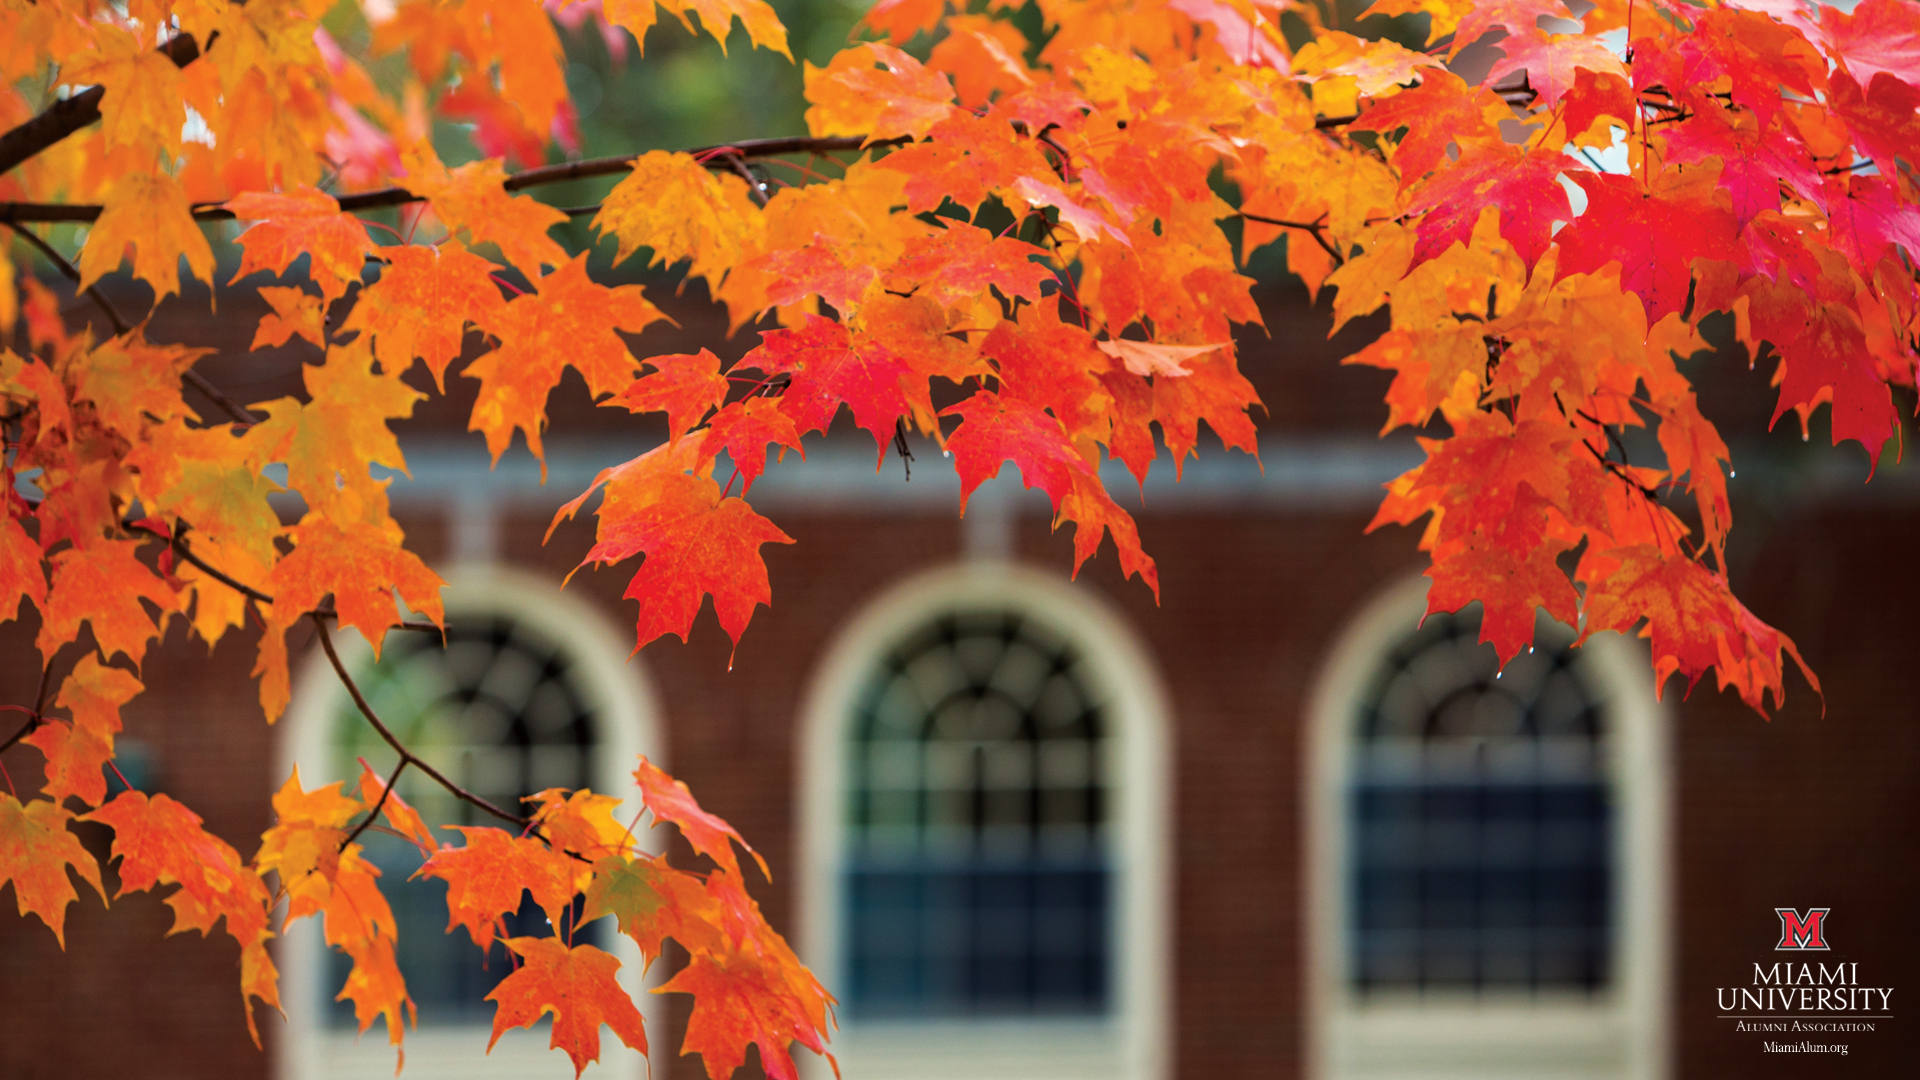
(72, 272)
(406, 756)
(378, 804)
(1313, 229)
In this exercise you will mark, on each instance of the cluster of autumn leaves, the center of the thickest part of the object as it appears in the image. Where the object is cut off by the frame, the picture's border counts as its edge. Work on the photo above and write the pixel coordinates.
(577, 862)
(1031, 235)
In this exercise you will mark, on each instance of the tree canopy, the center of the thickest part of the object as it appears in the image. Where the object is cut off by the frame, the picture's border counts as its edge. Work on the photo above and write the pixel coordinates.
(1020, 231)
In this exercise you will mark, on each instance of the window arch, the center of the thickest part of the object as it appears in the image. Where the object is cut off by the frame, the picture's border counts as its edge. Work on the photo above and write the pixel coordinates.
(983, 802)
(533, 690)
(1487, 852)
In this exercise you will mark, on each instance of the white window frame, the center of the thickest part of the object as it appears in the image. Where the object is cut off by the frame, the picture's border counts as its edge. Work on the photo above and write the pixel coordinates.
(627, 717)
(1444, 1035)
(1132, 1041)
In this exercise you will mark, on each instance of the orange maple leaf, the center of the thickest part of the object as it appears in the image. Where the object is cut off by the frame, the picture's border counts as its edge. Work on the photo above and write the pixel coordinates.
(696, 542)
(682, 385)
(307, 222)
(569, 320)
(77, 752)
(422, 305)
(35, 850)
(671, 800)
(577, 986)
(486, 877)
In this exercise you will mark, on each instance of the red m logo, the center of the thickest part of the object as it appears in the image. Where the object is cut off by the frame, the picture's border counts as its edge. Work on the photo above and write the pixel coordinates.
(1802, 931)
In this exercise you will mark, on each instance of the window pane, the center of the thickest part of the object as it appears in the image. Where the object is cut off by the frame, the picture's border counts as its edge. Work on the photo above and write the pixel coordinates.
(977, 875)
(1481, 817)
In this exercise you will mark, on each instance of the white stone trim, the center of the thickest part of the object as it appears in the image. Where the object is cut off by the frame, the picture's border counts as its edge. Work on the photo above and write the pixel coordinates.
(1134, 1043)
(628, 712)
(1618, 1035)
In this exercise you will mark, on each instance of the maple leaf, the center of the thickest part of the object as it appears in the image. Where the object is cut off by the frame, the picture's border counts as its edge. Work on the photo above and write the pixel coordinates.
(422, 305)
(741, 999)
(716, 17)
(486, 877)
(295, 312)
(1442, 109)
(1753, 164)
(850, 97)
(150, 212)
(22, 576)
(160, 842)
(1087, 223)
(901, 19)
(302, 222)
(1876, 36)
(1692, 620)
(305, 839)
(36, 849)
(473, 197)
(828, 366)
(77, 752)
(745, 430)
(964, 158)
(1095, 514)
(377, 989)
(670, 800)
(961, 262)
(101, 583)
(651, 902)
(577, 986)
(983, 56)
(569, 320)
(362, 566)
(696, 542)
(678, 208)
(1654, 239)
(1213, 391)
(685, 386)
(995, 428)
(1824, 348)
(1153, 358)
(1524, 187)
(581, 822)
(143, 107)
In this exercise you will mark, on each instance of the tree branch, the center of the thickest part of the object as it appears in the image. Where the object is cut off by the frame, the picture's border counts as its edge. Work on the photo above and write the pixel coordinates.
(713, 157)
(406, 756)
(67, 116)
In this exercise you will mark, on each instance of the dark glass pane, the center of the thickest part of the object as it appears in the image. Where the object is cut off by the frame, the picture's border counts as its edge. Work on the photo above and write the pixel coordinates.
(1480, 818)
(977, 877)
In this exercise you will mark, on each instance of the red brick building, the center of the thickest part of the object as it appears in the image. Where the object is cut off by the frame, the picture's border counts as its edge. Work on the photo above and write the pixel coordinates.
(1027, 827)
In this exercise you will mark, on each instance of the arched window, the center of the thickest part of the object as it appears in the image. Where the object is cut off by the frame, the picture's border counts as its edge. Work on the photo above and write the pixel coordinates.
(1488, 852)
(529, 692)
(981, 801)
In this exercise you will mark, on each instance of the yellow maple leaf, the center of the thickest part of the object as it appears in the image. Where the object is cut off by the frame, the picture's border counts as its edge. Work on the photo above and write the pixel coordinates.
(149, 212)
